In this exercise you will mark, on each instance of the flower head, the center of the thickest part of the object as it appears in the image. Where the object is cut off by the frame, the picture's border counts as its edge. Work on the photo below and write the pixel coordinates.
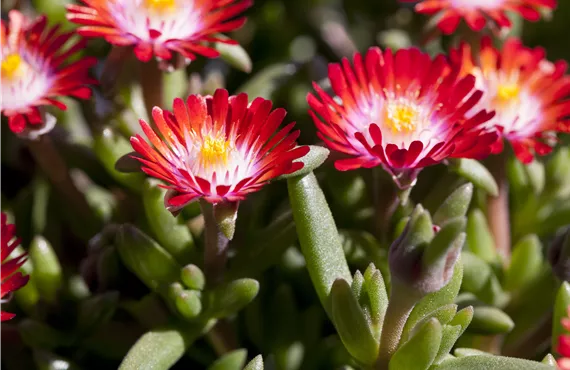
(403, 111)
(478, 12)
(35, 71)
(160, 27)
(217, 147)
(528, 93)
(11, 278)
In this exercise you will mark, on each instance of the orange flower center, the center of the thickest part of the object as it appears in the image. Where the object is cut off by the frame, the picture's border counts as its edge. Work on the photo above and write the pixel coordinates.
(215, 151)
(507, 93)
(11, 66)
(160, 6)
(401, 117)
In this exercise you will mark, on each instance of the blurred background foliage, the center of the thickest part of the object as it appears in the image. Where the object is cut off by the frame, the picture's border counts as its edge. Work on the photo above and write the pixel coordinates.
(290, 43)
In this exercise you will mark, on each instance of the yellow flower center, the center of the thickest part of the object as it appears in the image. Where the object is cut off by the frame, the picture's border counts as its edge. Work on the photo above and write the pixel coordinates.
(160, 6)
(11, 65)
(215, 151)
(507, 93)
(401, 117)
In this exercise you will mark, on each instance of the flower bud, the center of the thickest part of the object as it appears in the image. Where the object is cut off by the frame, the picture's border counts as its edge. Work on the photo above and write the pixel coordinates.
(559, 255)
(423, 260)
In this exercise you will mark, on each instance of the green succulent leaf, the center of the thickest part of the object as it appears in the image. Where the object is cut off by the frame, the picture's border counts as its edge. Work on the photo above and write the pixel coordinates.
(561, 305)
(146, 258)
(443, 314)
(170, 232)
(234, 54)
(255, 364)
(351, 324)
(232, 297)
(476, 173)
(234, 360)
(318, 235)
(455, 205)
(526, 263)
(479, 237)
(46, 360)
(96, 310)
(479, 362)
(193, 277)
(549, 360)
(490, 320)
(48, 275)
(109, 147)
(419, 352)
(451, 332)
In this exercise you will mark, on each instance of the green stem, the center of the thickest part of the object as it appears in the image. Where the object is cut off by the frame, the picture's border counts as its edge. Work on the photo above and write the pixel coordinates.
(318, 236)
(51, 162)
(498, 210)
(222, 338)
(400, 306)
(216, 246)
(151, 79)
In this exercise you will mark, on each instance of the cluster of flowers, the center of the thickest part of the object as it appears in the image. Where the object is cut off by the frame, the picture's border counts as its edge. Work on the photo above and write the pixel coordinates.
(401, 110)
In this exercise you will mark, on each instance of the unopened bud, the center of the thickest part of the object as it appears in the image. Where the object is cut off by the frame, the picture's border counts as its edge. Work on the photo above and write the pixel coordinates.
(422, 259)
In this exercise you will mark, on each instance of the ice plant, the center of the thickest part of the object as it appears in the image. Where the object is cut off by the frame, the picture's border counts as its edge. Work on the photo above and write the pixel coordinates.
(478, 12)
(11, 279)
(35, 70)
(403, 111)
(160, 27)
(219, 148)
(528, 93)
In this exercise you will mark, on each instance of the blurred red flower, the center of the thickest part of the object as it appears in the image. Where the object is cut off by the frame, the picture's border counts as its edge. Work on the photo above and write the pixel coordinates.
(160, 27)
(529, 94)
(478, 12)
(35, 70)
(11, 278)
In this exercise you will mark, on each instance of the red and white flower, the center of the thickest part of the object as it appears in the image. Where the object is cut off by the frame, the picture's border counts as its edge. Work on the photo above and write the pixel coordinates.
(160, 27)
(35, 70)
(403, 111)
(478, 12)
(528, 93)
(11, 278)
(218, 148)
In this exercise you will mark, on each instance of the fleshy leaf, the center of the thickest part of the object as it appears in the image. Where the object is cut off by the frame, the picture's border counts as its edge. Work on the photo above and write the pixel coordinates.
(351, 324)
(476, 173)
(419, 352)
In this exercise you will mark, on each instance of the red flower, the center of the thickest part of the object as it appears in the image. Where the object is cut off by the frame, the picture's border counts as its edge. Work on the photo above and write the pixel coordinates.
(35, 72)
(11, 278)
(160, 27)
(218, 148)
(563, 347)
(403, 111)
(528, 93)
(477, 12)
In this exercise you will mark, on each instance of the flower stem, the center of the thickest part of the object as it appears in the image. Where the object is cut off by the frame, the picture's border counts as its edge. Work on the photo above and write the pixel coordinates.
(53, 165)
(400, 306)
(498, 210)
(222, 338)
(216, 246)
(151, 79)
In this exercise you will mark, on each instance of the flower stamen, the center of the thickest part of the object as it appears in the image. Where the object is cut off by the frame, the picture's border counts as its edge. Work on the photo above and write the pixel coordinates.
(215, 151)
(160, 6)
(507, 93)
(11, 66)
(401, 117)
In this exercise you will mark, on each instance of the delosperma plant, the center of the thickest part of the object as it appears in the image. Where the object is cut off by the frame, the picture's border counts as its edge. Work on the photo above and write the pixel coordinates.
(285, 184)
